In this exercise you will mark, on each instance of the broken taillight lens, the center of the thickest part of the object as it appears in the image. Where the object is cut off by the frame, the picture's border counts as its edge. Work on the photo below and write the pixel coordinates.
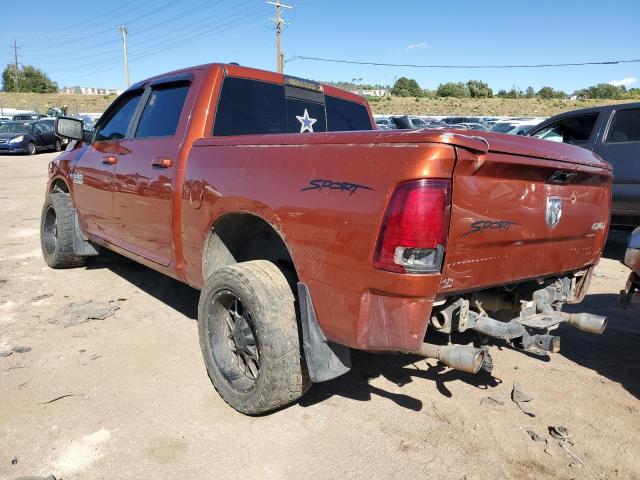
(413, 235)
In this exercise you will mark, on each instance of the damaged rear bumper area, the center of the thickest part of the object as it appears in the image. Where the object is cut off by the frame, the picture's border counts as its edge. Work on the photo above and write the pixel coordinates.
(524, 316)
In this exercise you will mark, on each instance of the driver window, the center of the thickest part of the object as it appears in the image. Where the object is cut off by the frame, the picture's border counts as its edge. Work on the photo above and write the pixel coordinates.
(116, 125)
(37, 128)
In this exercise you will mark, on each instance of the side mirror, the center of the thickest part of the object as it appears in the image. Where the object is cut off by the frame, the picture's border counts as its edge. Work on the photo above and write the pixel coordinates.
(67, 127)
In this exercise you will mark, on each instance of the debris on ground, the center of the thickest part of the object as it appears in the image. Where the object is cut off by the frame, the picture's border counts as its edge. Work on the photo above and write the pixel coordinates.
(21, 349)
(522, 399)
(494, 401)
(535, 437)
(559, 432)
(41, 297)
(50, 477)
(76, 313)
(5, 353)
(14, 461)
(58, 398)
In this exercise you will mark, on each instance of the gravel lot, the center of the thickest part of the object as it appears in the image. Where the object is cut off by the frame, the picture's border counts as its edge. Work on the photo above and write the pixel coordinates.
(128, 396)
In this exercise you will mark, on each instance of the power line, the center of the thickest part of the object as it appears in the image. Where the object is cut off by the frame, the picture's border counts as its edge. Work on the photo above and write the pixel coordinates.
(412, 65)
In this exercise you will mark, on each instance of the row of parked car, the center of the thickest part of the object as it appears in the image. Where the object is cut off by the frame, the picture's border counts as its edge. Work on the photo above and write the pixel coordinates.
(511, 125)
(31, 133)
(613, 132)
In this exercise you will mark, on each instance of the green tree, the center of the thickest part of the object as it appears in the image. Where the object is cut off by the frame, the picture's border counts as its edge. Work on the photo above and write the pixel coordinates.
(406, 87)
(451, 89)
(30, 79)
(529, 93)
(605, 90)
(549, 93)
(502, 93)
(479, 89)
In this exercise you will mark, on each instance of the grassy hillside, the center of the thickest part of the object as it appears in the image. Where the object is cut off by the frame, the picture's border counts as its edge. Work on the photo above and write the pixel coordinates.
(29, 101)
(488, 106)
(396, 105)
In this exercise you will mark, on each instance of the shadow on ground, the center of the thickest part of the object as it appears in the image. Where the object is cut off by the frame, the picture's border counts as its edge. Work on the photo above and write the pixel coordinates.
(616, 353)
(173, 293)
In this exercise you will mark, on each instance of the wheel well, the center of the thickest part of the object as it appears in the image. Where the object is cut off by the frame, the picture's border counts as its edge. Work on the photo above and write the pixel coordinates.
(240, 237)
(59, 186)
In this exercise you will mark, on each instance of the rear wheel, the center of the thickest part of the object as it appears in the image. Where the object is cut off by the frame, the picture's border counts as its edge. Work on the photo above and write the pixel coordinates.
(56, 232)
(31, 148)
(249, 337)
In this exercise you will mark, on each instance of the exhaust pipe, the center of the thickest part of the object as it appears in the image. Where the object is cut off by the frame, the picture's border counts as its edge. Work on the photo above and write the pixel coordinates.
(460, 357)
(587, 322)
(494, 328)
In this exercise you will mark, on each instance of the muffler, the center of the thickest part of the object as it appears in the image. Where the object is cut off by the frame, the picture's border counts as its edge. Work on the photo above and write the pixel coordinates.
(587, 322)
(461, 357)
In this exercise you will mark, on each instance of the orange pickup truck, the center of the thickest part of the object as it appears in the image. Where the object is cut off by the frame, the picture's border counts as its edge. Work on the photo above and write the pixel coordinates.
(310, 233)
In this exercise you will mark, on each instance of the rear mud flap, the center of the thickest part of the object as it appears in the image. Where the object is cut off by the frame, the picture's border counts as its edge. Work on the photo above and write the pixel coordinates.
(325, 360)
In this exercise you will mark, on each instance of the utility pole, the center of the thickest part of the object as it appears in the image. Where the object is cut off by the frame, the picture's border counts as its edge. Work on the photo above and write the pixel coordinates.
(279, 23)
(16, 72)
(124, 32)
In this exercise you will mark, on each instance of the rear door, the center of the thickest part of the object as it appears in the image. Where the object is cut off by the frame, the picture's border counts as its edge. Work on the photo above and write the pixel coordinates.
(620, 146)
(145, 172)
(92, 173)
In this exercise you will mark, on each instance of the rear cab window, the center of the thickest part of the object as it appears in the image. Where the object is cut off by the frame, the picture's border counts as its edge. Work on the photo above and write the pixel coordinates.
(624, 127)
(249, 107)
(573, 130)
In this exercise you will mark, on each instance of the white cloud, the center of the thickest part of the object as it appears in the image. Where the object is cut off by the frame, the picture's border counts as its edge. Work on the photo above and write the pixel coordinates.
(420, 45)
(625, 82)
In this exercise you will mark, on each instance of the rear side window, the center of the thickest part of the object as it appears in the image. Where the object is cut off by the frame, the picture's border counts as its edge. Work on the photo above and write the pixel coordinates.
(161, 114)
(625, 126)
(573, 130)
(344, 115)
(116, 125)
(249, 107)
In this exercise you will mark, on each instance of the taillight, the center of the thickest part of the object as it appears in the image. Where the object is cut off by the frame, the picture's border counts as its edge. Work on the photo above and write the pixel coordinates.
(413, 235)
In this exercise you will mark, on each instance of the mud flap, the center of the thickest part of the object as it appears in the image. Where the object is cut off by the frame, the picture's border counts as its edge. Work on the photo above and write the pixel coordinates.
(81, 246)
(325, 360)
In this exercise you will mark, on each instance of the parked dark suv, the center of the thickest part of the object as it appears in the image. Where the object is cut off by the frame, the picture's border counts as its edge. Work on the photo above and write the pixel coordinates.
(613, 132)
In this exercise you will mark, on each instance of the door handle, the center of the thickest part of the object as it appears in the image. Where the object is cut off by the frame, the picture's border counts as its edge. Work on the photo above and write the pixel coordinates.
(110, 160)
(162, 162)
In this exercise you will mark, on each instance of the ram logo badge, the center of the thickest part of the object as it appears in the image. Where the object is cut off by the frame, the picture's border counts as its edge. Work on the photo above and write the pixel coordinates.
(554, 211)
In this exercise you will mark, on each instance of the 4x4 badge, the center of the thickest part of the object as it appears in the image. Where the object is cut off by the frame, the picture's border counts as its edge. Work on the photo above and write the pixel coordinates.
(554, 211)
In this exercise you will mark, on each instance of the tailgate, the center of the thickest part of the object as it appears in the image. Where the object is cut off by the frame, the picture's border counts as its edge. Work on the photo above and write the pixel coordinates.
(517, 217)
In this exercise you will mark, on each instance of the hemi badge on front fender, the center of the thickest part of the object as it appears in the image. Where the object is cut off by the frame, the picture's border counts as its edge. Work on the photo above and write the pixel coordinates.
(77, 178)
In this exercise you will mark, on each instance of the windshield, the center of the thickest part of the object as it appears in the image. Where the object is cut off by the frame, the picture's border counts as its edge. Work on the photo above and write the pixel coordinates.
(15, 127)
(502, 127)
(418, 122)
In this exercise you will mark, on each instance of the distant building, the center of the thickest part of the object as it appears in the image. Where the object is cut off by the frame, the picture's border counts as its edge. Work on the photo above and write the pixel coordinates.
(377, 92)
(91, 91)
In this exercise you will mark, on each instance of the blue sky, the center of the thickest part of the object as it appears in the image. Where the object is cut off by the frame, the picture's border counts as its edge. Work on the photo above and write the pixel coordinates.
(77, 43)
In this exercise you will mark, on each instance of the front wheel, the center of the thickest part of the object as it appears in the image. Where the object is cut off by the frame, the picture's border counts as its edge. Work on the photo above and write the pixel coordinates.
(31, 148)
(58, 146)
(56, 232)
(249, 337)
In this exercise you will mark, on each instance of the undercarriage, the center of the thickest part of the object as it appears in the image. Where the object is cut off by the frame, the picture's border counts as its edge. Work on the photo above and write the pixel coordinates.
(525, 315)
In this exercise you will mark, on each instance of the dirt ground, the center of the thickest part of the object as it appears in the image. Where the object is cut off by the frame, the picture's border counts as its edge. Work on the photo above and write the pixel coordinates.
(128, 397)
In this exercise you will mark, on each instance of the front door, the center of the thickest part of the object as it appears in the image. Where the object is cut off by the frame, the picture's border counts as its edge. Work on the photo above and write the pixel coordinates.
(145, 174)
(92, 173)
